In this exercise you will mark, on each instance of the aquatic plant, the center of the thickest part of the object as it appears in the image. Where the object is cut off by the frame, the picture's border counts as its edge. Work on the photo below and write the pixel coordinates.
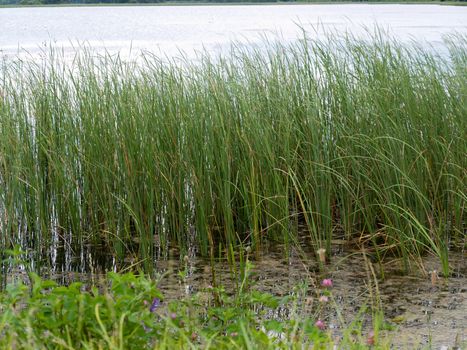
(356, 139)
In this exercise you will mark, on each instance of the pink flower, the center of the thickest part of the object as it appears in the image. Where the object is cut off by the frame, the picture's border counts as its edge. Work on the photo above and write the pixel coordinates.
(320, 324)
(323, 299)
(327, 282)
(173, 315)
(371, 338)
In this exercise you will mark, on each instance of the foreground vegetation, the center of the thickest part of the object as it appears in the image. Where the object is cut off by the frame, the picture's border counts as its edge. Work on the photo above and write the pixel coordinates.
(359, 140)
(126, 311)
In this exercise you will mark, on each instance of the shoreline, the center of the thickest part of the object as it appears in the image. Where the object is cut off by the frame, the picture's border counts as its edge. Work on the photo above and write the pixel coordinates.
(278, 3)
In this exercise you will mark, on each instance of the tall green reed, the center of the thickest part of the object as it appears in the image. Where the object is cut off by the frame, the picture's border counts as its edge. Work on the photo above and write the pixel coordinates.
(359, 139)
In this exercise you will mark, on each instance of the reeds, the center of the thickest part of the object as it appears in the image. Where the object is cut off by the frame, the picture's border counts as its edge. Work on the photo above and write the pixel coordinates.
(364, 139)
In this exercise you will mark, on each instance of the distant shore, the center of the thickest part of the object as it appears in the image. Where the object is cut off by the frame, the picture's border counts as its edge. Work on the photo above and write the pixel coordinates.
(235, 3)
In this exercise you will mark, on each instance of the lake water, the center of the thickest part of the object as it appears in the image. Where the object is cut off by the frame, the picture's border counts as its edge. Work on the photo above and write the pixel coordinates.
(167, 29)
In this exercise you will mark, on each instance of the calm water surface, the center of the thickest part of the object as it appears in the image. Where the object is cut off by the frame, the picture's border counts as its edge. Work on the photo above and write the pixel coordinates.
(167, 29)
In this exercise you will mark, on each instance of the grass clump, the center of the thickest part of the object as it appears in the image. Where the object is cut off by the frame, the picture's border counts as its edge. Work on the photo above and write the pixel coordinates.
(361, 139)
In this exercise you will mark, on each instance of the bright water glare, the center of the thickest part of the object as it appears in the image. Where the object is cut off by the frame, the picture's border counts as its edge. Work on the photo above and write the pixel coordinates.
(167, 30)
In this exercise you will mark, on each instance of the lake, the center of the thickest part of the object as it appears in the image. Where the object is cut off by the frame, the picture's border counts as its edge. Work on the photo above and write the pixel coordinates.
(166, 30)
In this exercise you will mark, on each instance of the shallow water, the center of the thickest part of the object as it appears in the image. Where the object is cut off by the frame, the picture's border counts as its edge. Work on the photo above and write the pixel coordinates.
(167, 29)
(424, 315)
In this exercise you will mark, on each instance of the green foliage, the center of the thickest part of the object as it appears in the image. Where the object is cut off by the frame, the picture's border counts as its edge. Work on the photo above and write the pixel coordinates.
(30, 2)
(124, 313)
(65, 317)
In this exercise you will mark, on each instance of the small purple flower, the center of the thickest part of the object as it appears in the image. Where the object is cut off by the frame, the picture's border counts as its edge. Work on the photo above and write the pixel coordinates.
(327, 283)
(154, 305)
(320, 324)
(173, 315)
